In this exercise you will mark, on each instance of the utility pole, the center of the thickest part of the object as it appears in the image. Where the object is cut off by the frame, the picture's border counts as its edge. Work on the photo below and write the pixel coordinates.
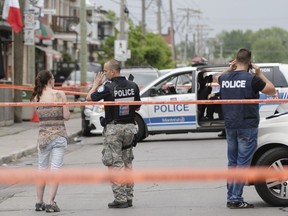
(143, 16)
(18, 48)
(122, 21)
(122, 34)
(83, 40)
(159, 24)
(202, 32)
(189, 12)
(172, 32)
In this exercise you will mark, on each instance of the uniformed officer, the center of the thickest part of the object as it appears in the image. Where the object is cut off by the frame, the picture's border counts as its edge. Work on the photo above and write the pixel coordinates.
(241, 120)
(120, 126)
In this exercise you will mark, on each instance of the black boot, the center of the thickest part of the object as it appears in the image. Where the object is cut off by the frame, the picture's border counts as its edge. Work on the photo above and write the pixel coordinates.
(116, 204)
(129, 202)
(222, 134)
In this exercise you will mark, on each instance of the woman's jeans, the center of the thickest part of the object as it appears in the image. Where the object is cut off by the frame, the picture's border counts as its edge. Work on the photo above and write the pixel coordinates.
(242, 144)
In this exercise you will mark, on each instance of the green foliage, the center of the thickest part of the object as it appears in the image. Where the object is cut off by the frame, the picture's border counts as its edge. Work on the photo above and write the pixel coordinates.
(66, 57)
(149, 49)
(267, 45)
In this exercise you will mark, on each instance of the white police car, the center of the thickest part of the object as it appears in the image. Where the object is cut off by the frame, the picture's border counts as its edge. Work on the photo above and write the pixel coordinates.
(184, 84)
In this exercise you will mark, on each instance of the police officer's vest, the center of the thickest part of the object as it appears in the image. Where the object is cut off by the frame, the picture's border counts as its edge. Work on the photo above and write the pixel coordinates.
(121, 90)
(238, 85)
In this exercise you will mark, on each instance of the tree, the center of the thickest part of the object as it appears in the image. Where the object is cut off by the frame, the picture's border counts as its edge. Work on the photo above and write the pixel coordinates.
(270, 45)
(149, 49)
(267, 45)
(232, 41)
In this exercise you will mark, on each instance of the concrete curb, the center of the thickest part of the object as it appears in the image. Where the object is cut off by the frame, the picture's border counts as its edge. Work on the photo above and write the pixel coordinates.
(31, 150)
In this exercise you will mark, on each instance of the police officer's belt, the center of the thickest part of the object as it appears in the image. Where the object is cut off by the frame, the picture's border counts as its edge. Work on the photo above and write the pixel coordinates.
(120, 122)
(127, 147)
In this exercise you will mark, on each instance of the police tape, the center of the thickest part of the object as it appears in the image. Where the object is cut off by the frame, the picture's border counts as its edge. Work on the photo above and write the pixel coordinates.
(117, 103)
(69, 90)
(85, 175)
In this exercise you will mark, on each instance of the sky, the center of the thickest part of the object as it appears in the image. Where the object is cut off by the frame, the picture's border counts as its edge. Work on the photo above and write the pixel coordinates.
(216, 15)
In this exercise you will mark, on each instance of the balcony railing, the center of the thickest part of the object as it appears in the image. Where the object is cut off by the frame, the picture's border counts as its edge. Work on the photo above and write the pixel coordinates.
(63, 24)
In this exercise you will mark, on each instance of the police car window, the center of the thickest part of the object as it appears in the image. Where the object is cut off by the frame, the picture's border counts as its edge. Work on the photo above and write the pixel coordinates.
(275, 76)
(181, 84)
(184, 84)
(268, 72)
(166, 86)
(279, 79)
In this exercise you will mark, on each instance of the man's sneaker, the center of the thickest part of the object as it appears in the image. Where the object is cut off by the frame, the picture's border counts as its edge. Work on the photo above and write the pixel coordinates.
(52, 208)
(116, 204)
(129, 202)
(40, 206)
(239, 205)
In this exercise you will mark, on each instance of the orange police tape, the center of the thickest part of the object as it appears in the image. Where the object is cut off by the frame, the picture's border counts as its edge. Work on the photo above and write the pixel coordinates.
(30, 88)
(113, 103)
(16, 104)
(85, 176)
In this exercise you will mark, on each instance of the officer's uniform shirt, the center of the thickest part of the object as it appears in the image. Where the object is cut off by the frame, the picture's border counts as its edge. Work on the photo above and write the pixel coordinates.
(118, 89)
(240, 85)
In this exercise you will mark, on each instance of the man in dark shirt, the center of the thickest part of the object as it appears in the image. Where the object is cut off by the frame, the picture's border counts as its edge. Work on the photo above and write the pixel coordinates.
(241, 120)
(120, 126)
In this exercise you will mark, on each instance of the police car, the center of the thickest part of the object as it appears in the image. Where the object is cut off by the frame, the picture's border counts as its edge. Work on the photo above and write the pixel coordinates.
(272, 152)
(184, 84)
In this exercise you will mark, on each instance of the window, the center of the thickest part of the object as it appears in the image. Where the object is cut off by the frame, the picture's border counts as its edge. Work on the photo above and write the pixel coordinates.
(175, 84)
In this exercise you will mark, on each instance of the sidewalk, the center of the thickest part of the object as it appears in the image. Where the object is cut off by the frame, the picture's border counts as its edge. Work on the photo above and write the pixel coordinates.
(20, 139)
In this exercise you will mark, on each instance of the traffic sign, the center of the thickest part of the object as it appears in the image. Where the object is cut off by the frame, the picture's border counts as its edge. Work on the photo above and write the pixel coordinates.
(29, 38)
(120, 50)
(29, 20)
(49, 11)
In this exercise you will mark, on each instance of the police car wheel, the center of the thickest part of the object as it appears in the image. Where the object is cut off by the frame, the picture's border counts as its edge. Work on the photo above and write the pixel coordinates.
(141, 128)
(274, 192)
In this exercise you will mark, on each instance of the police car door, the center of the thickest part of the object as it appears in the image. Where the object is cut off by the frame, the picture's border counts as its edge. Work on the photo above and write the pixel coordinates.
(173, 117)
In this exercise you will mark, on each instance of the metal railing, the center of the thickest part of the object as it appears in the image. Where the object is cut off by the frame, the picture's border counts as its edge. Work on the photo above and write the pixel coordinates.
(63, 24)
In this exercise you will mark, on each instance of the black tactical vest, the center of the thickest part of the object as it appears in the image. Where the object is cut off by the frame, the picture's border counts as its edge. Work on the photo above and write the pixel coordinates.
(121, 90)
(238, 85)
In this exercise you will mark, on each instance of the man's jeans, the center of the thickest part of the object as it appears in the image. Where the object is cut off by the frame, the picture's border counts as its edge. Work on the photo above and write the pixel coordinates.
(242, 144)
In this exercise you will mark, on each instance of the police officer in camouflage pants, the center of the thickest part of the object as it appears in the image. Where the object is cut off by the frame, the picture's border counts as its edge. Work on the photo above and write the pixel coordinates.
(120, 129)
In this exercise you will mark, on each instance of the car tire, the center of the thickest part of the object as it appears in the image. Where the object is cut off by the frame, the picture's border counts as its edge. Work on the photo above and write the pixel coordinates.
(277, 156)
(141, 128)
(85, 128)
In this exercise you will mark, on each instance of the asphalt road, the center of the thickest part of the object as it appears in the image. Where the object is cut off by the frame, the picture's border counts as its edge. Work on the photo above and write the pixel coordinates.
(151, 198)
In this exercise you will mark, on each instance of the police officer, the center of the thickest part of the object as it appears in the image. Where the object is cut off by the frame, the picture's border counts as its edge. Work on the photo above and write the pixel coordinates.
(241, 120)
(120, 126)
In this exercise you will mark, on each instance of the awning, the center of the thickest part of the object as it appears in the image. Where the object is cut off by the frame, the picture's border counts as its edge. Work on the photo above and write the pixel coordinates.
(50, 52)
(44, 32)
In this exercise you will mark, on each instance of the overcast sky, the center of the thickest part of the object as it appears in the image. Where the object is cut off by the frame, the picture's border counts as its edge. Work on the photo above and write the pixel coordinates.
(217, 15)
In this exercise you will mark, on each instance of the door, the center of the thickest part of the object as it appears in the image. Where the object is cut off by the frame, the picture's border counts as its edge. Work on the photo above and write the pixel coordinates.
(172, 117)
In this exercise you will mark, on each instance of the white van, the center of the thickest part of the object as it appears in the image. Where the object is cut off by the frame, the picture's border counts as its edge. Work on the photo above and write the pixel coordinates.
(182, 84)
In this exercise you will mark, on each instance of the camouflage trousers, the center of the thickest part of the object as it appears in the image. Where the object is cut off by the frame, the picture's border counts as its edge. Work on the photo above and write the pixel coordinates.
(115, 158)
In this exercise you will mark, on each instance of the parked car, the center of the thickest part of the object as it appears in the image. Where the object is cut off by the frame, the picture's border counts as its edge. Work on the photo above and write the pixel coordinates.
(140, 75)
(182, 84)
(272, 153)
